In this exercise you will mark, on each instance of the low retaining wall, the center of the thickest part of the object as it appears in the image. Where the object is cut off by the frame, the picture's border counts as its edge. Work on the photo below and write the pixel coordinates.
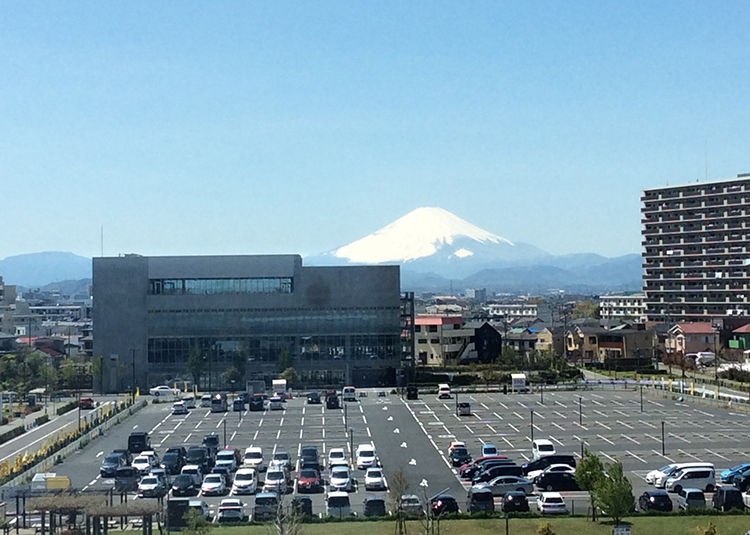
(48, 463)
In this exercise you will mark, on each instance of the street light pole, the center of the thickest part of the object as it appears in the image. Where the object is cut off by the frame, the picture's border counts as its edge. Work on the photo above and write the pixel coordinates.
(663, 447)
(580, 411)
(641, 397)
(133, 350)
(532, 425)
(225, 431)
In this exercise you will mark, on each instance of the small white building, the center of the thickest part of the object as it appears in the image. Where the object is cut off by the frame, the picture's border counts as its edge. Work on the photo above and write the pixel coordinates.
(623, 307)
(512, 310)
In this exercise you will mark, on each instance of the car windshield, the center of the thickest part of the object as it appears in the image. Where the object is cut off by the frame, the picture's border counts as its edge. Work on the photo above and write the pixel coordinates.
(254, 455)
(211, 440)
(482, 497)
(275, 476)
(244, 476)
(490, 450)
(546, 447)
(665, 468)
(213, 478)
(460, 451)
(374, 473)
(265, 500)
(677, 474)
(554, 500)
(338, 501)
(149, 481)
(337, 455)
(281, 456)
(410, 501)
(340, 471)
(112, 458)
(308, 474)
(661, 498)
(738, 467)
(171, 456)
(141, 460)
(366, 453)
(183, 480)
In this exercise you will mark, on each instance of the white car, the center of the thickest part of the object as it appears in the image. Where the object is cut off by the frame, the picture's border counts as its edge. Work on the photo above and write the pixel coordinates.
(275, 480)
(254, 458)
(282, 458)
(551, 468)
(456, 444)
(276, 403)
(189, 403)
(213, 484)
(143, 464)
(340, 479)
(179, 408)
(162, 390)
(374, 479)
(245, 481)
(653, 475)
(541, 447)
(551, 502)
(194, 471)
(151, 487)
(365, 456)
(337, 457)
(231, 510)
(226, 458)
(206, 401)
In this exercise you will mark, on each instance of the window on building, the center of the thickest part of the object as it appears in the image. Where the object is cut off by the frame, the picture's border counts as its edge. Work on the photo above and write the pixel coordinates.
(435, 340)
(422, 341)
(417, 328)
(592, 340)
(432, 328)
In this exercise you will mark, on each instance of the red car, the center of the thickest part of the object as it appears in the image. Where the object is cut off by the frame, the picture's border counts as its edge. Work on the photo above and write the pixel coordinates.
(86, 403)
(467, 471)
(308, 480)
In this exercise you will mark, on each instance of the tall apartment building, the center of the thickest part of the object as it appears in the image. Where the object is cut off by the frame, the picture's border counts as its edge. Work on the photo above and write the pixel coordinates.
(623, 307)
(696, 255)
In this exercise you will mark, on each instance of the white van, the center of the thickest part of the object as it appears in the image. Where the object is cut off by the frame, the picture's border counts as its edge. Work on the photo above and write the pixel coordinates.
(444, 391)
(692, 478)
(338, 504)
(349, 393)
(660, 481)
(542, 447)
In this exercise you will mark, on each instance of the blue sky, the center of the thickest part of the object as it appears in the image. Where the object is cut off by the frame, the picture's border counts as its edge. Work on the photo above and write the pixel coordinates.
(274, 127)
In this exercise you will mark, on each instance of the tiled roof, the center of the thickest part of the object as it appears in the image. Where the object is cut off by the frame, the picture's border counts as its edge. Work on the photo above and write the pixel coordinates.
(696, 328)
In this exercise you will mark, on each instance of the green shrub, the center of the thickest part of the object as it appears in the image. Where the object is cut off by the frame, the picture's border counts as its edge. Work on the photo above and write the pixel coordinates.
(13, 433)
(67, 407)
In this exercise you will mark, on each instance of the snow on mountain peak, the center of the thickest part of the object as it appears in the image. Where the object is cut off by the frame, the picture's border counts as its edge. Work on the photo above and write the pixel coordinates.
(418, 234)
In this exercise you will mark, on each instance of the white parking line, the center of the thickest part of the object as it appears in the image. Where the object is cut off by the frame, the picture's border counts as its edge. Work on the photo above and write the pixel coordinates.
(281, 423)
(255, 436)
(624, 424)
(579, 440)
(260, 423)
(648, 424)
(678, 437)
(634, 441)
(368, 432)
(469, 429)
(596, 402)
(539, 415)
(561, 428)
(278, 434)
(198, 424)
(498, 416)
(716, 454)
(300, 434)
(521, 417)
(554, 439)
(188, 437)
(636, 457)
(660, 455)
(524, 456)
(302, 423)
(655, 402)
(361, 410)
(485, 406)
(625, 414)
(601, 413)
(563, 406)
(597, 396)
(561, 415)
(522, 405)
(219, 424)
(652, 437)
(605, 439)
(492, 428)
(233, 435)
(605, 426)
(686, 454)
(513, 427)
(503, 405)
(608, 457)
(507, 441)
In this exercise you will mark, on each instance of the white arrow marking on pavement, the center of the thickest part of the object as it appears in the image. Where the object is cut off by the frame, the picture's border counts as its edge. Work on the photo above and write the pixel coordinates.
(390, 418)
(413, 462)
(385, 408)
(100, 454)
(403, 445)
(396, 430)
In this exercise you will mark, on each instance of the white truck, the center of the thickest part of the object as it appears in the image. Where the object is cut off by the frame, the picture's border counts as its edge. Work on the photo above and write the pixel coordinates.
(279, 387)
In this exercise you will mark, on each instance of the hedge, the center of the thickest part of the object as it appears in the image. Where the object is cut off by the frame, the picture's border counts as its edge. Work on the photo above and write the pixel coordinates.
(13, 433)
(67, 407)
(43, 419)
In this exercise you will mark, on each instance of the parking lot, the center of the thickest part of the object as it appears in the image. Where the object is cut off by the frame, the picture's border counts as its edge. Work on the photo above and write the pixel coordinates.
(414, 436)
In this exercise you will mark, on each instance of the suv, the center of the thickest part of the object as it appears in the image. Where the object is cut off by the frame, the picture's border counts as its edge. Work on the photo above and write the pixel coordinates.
(201, 456)
(266, 506)
(212, 443)
(727, 498)
(139, 441)
(309, 458)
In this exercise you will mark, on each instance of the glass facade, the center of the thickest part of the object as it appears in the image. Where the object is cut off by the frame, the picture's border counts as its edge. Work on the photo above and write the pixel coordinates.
(281, 285)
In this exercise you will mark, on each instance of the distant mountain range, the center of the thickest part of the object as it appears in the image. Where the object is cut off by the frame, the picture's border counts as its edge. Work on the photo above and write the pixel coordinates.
(437, 251)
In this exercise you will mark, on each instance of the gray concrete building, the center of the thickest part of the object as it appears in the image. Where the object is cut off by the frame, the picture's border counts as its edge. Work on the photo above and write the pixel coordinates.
(336, 325)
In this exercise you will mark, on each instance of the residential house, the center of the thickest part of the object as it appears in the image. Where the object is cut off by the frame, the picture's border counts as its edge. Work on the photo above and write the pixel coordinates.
(685, 338)
(624, 347)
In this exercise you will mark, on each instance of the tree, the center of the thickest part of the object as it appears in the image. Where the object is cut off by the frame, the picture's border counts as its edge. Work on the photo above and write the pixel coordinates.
(195, 364)
(585, 309)
(490, 376)
(69, 373)
(284, 359)
(196, 524)
(233, 375)
(98, 365)
(288, 519)
(290, 374)
(614, 493)
(239, 361)
(399, 485)
(508, 358)
(589, 472)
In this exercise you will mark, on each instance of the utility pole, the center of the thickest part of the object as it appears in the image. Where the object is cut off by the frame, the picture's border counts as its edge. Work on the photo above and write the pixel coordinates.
(133, 350)
(580, 411)
(225, 431)
(641, 388)
(532, 425)
(541, 392)
(663, 446)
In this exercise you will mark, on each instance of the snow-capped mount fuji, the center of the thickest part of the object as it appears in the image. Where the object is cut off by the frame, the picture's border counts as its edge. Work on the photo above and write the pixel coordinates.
(432, 239)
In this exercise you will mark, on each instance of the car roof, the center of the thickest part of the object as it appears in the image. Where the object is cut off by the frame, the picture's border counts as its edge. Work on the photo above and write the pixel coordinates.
(338, 494)
(374, 499)
(551, 494)
(516, 493)
(540, 441)
(656, 493)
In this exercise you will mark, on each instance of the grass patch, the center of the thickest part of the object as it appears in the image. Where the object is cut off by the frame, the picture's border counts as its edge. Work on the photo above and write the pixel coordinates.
(666, 525)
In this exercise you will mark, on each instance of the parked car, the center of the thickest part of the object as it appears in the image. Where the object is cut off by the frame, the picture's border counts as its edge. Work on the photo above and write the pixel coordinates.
(504, 484)
(411, 505)
(727, 476)
(551, 503)
(126, 479)
(313, 398)
(212, 442)
(488, 450)
(309, 480)
(282, 458)
(143, 464)
(223, 471)
(552, 468)
(206, 401)
(542, 447)
(460, 456)
(375, 506)
(515, 501)
(111, 463)
(213, 485)
(184, 485)
(655, 500)
(548, 460)
(557, 481)
(179, 407)
(338, 504)
(172, 462)
(86, 403)
(151, 487)
(194, 471)
(653, 475)
(691, 499)
(303, 505)
(374, 479)
(309, 457)
(245, 481)
(701, 478)
(340, 479)
(275, 480)
(231, 510)
(337, 457)
(266, 506)
(498, 470)
(726, 498)
(481, 499)
(228, 457)
(444, 504)
(162, 390)
(365, 456)
(254, 458)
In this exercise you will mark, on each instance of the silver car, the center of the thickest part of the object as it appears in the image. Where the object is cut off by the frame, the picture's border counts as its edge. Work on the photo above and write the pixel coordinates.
(502, 484)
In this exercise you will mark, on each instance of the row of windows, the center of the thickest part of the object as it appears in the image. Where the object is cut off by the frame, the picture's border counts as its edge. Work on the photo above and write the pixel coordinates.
(225, 350)
(219, 286)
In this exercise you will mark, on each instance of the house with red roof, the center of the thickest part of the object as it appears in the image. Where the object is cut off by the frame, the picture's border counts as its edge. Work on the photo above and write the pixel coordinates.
(696, 337)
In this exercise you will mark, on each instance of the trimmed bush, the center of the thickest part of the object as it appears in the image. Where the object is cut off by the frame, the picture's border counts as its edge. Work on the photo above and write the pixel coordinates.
(43, 419)
(13, 433)
(67, 407)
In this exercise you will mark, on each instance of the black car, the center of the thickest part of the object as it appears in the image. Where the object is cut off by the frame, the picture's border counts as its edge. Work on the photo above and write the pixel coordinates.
(184, 485)
(375, 506)
(544, 462)
(495, 471)
(332, 402)
(557, 481)
(515, 501)
(225, 471)
(238, 405)
(655, 500)
(313, 398)
(303, 505)
(256, 404)
(201, 456)
(481, 500)
(139, 441)
(125, 455)
(111, 463)
(444, 504)
(726, 498)
(212, 443)
(245, 397)
(126, 479)
(172, 462)
(309, 458)
(460, 456)
(470, 471)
